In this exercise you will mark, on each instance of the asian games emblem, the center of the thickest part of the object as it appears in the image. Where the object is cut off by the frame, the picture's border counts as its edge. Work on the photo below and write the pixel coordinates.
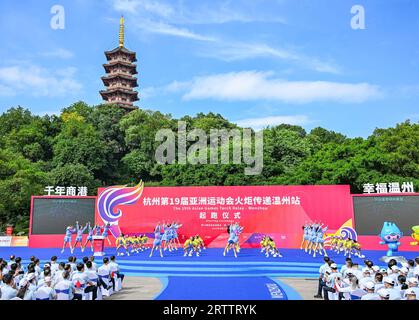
(114, 196)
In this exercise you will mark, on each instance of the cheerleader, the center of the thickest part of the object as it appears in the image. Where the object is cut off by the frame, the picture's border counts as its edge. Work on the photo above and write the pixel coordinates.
(270, 247)
(135, 241)
(264, 244)
(97, 230)
(105, 232)
(129, 244)
(347, 247)
(232, 240)
(165, 236)
(176, 241)
(312, 237)
(67, 238)
(188, 247)
(157, 241)
(333, 242)
(239, 231)
(339, 244)
(309, 236)
(319, 246)
(143, 242)
(197, 244)
(357, 249)
(170, 238)
(120, 243)
(79, 236)
(305, 236)
(89, 237)
(273, 249)
(201, 243)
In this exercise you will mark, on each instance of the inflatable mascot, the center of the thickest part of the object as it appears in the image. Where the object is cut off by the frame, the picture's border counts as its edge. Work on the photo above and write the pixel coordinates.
(415, 236)
(390, 235)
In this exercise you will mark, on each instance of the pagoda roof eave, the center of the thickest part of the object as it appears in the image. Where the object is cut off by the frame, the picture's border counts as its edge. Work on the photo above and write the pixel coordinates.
(123, 50)
(118, 90)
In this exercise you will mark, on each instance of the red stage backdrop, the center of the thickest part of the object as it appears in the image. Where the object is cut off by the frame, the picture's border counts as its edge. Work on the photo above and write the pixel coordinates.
(279, 211)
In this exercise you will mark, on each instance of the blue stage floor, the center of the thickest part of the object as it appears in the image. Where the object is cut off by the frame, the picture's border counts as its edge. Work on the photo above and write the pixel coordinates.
(212, 276)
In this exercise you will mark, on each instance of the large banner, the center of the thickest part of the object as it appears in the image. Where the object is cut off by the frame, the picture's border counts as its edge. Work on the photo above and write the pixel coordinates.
(279, 211)
(371, 211)
(50, 216)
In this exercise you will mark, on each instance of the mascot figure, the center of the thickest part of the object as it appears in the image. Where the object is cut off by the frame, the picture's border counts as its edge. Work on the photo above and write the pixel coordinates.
(390, 235)
(415, 236)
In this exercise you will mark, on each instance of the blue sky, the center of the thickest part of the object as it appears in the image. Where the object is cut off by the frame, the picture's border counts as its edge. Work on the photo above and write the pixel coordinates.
(257, 63)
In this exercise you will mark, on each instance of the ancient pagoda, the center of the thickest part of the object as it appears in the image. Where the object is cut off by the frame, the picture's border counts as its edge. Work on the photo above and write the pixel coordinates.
(120, 70)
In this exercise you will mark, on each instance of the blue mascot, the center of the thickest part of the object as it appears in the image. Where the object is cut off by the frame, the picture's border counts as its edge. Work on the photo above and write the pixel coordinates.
(390, 235)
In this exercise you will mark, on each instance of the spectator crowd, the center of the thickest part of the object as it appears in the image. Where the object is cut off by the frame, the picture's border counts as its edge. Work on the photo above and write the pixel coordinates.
(395, 281)
(70, 280)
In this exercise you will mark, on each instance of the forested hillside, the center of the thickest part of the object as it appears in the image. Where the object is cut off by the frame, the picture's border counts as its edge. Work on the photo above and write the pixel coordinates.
(102, 145)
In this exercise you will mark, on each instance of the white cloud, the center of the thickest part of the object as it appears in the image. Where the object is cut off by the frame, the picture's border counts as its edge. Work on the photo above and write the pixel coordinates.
(130, 6)
(58, 53)
(38, 81)
(254, 85)
(260, 123)
(167, 29)
(175, 19)
(232, 51)
(177, 12)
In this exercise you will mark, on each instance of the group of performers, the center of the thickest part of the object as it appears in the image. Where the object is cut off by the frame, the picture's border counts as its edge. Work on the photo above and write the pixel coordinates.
(193, 245)
(313, 238)
(166, 237)
(79, 230)
(130, 244)
(314, 241)
(268, 246)
(348, 246)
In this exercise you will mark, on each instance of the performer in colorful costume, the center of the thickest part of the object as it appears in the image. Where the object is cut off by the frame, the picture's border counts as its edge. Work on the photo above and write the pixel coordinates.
(120, 243)
(67, 238)
(89, 237)
(157, 243)
(79, 236)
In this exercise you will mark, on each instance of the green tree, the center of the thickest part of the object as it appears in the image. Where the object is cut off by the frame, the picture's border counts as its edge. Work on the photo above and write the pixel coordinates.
(74, 175)
(79, 143)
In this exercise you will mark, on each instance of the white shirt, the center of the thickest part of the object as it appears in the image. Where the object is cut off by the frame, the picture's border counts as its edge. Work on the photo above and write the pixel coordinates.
(7, 292)
(45, 293)
(370, 296)
(92, 275)
(332, 278)
(323, 268)
(80, 281)
(64, 285)
(394, 294)
(30, 292)
(113, 266)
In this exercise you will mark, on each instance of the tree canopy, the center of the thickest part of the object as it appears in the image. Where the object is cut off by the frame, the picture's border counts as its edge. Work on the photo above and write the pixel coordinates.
(103, 145)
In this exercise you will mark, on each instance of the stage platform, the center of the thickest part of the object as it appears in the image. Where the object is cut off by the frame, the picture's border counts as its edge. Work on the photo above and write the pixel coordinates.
(211, 275)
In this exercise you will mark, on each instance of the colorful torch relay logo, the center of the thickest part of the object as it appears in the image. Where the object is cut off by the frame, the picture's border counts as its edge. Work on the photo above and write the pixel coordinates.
(115, 196)
(345, 231)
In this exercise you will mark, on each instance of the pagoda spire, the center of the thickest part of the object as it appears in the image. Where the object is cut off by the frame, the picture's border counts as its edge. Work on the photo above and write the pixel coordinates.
(121, 31)
(120, 81)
